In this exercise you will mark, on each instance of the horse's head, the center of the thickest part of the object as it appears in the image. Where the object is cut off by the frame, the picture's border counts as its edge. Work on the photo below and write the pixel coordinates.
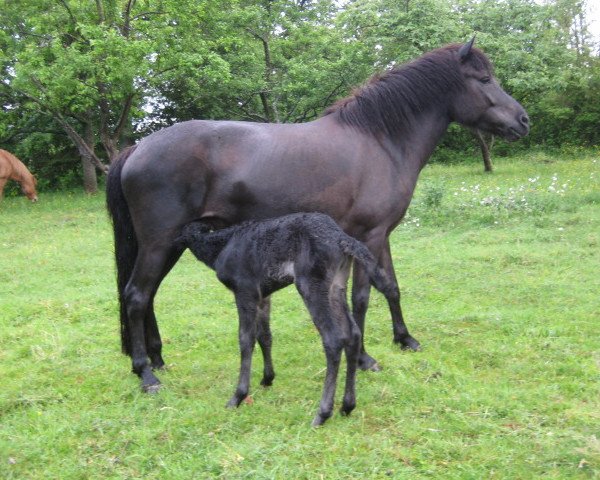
(28, 188)
(483, 104)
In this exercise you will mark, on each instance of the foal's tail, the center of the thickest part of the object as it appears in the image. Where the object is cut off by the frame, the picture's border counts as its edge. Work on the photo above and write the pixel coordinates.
(126, 246)
(358, 250)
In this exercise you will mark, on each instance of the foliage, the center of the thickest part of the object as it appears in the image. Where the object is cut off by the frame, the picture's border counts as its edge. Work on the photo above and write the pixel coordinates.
(95, 76)
(504, 300)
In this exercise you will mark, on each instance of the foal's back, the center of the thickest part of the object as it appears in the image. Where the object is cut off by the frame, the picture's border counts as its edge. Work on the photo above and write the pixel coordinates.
(273, 252)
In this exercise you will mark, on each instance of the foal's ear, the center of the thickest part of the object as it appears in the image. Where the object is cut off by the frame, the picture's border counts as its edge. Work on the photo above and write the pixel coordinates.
(465, 50)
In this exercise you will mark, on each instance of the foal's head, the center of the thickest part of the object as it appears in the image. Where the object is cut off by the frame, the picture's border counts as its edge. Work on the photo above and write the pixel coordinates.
(482, 103)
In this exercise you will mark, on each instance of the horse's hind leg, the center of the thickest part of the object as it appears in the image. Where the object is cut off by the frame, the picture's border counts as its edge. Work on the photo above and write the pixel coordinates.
(400, 329)
(153, 340)
(247, 311)
(265, 340)
(139, 292)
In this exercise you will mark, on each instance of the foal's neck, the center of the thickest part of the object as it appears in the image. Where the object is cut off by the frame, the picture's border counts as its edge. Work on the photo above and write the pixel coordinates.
(210, 245)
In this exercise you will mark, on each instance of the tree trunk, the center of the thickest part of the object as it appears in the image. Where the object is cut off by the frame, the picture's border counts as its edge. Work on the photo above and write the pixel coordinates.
(485, 150)
(268, 107)
(90, 179)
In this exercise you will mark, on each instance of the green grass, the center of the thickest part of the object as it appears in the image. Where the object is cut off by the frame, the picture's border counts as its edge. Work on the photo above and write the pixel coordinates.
(500, 277)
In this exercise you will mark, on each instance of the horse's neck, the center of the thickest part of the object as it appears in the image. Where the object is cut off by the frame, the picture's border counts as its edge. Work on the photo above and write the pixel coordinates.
(17, 176)
(412, 149)
(17, 171)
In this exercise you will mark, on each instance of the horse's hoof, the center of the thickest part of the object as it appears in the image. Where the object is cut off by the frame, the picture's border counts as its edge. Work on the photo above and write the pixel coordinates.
(409, 343)
(319, 420)
(151, 389)
(366, 362)
(374, 368)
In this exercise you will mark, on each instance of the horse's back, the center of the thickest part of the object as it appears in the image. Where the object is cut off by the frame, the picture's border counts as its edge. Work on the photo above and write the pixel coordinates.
(232, 171)
(6, 166)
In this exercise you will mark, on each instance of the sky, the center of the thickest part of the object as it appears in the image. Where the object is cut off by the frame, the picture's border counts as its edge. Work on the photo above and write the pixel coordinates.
(593, 18)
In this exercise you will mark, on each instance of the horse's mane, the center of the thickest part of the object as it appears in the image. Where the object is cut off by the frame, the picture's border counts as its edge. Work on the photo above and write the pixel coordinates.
(19, 170)
(388, 101)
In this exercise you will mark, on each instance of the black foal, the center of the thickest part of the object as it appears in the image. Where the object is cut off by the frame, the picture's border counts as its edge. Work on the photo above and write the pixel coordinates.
(256, 258)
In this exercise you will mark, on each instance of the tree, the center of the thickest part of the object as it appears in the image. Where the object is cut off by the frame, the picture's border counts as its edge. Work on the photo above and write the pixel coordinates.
(287, 61)
(90, 65)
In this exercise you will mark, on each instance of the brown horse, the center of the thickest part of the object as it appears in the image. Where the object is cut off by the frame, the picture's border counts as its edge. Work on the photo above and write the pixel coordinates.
(358, 163)
(11, 168)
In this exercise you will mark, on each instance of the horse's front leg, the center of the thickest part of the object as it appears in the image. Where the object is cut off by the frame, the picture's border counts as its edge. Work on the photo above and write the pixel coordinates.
(247, 311)
(265, 340)
(2, 183)
(400, 329)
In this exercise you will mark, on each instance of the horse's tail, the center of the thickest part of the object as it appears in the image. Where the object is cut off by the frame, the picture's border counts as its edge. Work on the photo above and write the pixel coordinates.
(358, 250)
(126, 245)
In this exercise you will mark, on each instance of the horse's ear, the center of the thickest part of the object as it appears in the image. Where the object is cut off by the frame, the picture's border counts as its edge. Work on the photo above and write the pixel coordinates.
(465, 50)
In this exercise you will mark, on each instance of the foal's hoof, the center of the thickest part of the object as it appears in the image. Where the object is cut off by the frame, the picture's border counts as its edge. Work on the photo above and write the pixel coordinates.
(151, 389)
(234, 402)
(347, 409)
(409, 343)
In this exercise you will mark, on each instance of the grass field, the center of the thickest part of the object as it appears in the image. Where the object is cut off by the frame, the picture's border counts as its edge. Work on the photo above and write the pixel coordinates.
(500, 276)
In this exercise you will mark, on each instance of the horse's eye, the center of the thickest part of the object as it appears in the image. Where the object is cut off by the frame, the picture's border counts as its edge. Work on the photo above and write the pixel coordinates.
(485, 79)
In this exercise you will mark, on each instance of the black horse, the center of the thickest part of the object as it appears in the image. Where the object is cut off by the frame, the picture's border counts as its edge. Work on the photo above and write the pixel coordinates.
(257, 258)
(358, 163)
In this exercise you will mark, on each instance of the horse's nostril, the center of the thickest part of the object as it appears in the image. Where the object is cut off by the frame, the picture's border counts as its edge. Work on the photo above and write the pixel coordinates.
(524, 119)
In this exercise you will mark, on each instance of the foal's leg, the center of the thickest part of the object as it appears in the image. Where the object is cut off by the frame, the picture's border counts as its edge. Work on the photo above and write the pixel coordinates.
(316, 298)
(351, 347)
(400, 329)
(352, 350)
(247, 310)
(265, 340)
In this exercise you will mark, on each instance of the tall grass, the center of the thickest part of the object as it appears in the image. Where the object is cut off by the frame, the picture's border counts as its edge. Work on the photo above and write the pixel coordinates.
(500, 281)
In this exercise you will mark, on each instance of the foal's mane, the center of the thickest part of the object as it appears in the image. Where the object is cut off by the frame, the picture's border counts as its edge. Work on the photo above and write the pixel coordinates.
(389, 101)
